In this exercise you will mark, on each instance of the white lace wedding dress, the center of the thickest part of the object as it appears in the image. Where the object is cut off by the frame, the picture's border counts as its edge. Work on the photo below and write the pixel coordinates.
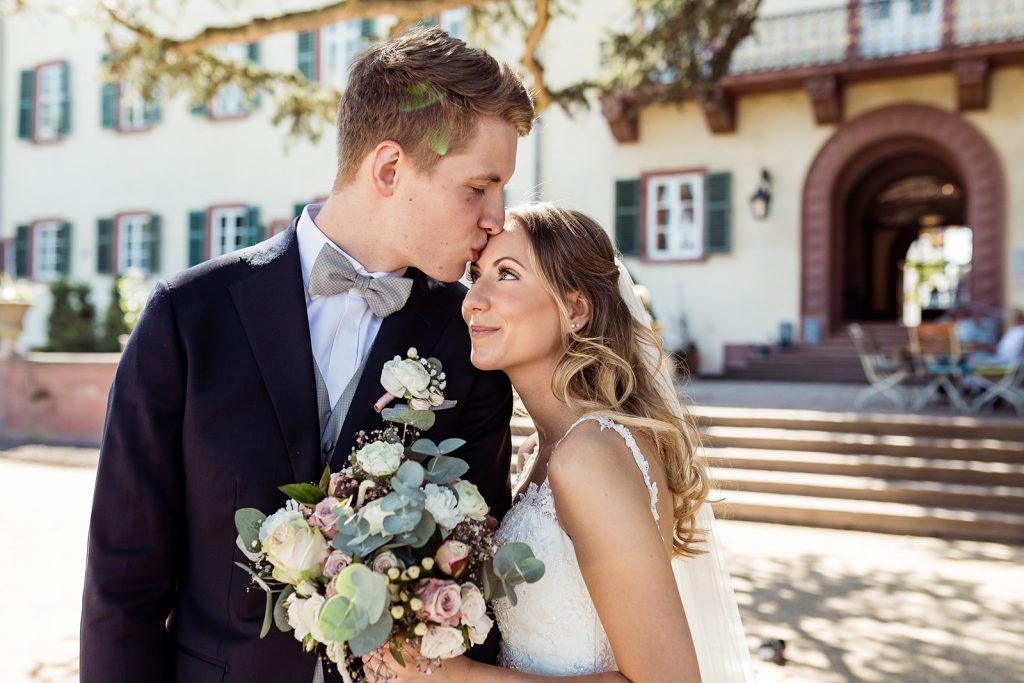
(554, 628)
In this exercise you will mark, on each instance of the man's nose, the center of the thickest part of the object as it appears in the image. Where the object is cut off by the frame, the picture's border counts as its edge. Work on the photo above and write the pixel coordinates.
(493, 217)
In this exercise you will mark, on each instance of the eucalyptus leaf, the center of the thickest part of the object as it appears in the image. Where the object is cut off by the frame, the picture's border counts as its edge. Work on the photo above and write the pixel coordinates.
(425, 447)
(304, 493)
(364, 587)
(281, 612)
(515, 563)
(341, 618)
(449, 445)
(443, 469)
(417, 537)
(420, 419)
(434, 365)
(248, 522)
(410, 473)
(252, 555)
(405, 513)
(268, 615)
(371, 637)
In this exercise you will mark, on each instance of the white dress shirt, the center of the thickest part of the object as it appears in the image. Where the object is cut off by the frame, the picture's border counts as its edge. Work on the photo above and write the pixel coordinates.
(341, 327)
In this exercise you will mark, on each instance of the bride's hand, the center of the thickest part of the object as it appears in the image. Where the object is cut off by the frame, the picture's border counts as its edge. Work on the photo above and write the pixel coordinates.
(381, 667)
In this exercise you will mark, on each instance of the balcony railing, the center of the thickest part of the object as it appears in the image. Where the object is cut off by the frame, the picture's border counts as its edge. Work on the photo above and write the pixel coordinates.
(874, 29)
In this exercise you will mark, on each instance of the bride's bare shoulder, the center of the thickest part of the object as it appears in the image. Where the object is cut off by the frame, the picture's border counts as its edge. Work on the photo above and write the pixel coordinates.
(591, 454)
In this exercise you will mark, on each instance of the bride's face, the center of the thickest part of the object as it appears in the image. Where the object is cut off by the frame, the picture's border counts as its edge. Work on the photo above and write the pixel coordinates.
(513, 320)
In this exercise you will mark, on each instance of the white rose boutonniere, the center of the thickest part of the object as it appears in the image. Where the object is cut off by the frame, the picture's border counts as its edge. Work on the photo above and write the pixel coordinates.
(420, 381)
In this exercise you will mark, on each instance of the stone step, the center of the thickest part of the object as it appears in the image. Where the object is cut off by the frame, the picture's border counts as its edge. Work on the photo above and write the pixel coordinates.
(989, 450)
(916, 492)
(953, 427)
(864, 515)
(900, 468)
(788, 374)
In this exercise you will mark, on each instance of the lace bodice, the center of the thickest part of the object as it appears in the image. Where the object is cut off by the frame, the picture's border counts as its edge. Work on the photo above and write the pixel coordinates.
(554, 628)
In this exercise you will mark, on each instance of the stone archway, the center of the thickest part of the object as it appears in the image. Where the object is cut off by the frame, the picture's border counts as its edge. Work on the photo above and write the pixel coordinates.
(864, 142)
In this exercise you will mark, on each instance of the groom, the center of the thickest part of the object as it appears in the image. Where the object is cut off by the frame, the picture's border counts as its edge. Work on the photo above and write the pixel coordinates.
(258, 368)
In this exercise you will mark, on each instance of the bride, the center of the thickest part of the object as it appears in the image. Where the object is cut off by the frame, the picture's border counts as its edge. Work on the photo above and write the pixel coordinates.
(613, 499)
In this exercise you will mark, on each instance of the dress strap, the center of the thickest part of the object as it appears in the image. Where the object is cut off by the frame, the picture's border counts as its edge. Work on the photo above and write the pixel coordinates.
(641, 461)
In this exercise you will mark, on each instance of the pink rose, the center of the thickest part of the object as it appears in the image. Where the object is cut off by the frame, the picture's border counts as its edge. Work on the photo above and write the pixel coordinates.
(324, 518)
(335, 562)
(340, 485)
(452, 558)
(442, 601)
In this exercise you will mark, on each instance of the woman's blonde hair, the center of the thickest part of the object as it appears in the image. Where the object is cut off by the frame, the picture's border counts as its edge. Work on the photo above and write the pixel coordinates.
(603, 371)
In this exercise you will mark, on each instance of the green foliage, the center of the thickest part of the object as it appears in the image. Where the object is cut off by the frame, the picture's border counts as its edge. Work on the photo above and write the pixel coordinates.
(72, 321)
(677, 49)
(114, 322)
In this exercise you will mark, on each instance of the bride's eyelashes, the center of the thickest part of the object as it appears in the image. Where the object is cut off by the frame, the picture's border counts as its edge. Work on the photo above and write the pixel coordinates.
(504, 273)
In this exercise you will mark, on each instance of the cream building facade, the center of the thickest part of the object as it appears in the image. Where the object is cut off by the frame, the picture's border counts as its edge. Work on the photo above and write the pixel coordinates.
(843, 119)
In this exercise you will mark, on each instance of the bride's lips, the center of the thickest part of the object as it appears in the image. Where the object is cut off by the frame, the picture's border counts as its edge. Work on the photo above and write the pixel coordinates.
(480, 331)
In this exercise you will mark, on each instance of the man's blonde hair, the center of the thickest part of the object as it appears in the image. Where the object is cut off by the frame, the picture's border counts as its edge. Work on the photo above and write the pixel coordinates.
(424, 90)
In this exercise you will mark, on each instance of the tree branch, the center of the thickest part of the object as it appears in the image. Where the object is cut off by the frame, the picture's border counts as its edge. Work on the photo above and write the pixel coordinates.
(530, 61)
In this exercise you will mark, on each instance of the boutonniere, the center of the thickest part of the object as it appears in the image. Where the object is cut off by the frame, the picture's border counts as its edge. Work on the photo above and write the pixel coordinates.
(420, 381)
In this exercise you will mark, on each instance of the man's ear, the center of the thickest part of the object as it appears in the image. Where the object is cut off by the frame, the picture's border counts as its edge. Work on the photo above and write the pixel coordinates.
(579, 311)
(386, 157)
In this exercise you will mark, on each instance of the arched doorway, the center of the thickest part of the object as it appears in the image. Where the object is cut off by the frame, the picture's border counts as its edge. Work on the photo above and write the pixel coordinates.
(866, 194)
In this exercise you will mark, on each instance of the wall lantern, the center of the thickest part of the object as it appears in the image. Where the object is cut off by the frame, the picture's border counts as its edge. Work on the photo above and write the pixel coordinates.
(761, 200)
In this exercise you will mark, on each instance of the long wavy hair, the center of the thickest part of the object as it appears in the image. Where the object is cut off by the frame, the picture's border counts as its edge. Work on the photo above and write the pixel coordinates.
(603, 370)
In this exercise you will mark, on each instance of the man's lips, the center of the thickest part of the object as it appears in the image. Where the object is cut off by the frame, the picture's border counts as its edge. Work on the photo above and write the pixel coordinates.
(475, 254)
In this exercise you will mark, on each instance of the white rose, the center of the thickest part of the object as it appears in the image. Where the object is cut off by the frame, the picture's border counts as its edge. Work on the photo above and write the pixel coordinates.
(403, 376)
(375, 515)
(442, 642)
(442, 506)
(296, 550)
(379, 458)
(471, 503)
(284, 515)
(479, 629)
(304, 616)
(473, 605)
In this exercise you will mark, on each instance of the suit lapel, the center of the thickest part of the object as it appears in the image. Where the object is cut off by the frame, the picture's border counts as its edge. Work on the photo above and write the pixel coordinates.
(272, 307)
(418, 324)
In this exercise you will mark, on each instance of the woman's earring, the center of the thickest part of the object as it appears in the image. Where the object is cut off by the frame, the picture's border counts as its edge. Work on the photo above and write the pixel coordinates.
(575, 325)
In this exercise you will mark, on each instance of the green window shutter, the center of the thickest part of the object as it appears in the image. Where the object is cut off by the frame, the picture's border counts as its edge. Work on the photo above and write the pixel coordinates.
(154, 244)
(105, 245)
(65, 99)
(151, 111)
(627, 217)
(368, 29)
(196, 237)
(253, 230)
(254, 52)
(21, 251)
(307, 54)
(199, 109)
(108, 106)
(297, 209)
(718, 213)
(64, 249)
(26, 104)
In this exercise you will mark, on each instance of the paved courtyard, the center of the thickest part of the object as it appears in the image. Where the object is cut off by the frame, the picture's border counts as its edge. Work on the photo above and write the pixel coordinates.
(851, 606)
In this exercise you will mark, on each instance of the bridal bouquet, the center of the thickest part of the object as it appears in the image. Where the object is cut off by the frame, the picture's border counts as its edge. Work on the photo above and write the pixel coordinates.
(396, 550)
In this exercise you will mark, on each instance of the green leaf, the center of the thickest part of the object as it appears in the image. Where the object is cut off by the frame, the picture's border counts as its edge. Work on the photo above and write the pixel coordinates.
(248, 522)
(281, 612)
(371, 637)
(449, 445)
(396, 652)
(252, 555)
(268, 616)
(420, 419)
(259, 580)
(411, 474)
(425, 447)
(341, 618)
(304, 493)
(365, 588)
(325, 478)
(443, 469)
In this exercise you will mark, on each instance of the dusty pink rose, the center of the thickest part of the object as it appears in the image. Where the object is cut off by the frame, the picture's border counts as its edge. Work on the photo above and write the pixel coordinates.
(335, 562)
(452, 558)
(442, 601)
(340, 481)
(324, 518)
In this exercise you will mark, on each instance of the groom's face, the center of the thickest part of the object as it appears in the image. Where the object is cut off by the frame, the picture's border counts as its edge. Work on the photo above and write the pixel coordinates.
(453, 209)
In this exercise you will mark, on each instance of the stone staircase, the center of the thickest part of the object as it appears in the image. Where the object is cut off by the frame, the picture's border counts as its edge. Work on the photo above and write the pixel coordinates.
(833, 360)
(948, 477)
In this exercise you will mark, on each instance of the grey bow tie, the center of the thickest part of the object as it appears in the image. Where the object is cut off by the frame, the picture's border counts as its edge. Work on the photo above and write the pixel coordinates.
(334, 274)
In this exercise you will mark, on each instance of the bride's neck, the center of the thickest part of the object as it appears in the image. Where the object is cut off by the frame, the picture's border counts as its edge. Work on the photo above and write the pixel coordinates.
(551, 417)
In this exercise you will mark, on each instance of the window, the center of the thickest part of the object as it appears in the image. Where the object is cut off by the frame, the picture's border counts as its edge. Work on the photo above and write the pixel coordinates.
(339, 45)
(229, 230)
(134, 242)
(132, 112)
(453, 21)
(46, 250)
(675, 216)
(7, 256)
(230, 101)
(44, 103)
